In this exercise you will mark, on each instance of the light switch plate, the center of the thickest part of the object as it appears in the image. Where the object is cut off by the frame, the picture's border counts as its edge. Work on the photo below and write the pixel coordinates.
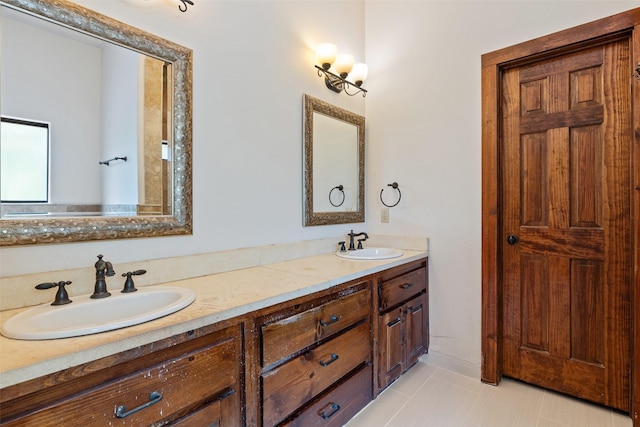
(384, 216)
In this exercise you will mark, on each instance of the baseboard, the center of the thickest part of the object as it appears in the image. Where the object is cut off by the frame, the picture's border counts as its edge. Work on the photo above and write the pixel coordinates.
(451, 363)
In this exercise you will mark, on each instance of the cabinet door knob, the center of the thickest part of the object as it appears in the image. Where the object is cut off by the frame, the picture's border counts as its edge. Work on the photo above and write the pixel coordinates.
(512, 239)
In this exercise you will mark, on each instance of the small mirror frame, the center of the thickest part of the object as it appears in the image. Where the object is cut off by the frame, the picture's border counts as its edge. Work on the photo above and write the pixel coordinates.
(70, 229)
(311, 217)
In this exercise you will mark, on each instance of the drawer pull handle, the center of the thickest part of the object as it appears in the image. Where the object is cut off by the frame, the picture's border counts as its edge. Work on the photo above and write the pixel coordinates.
(333, 319)
(333, 358)
(154, 397)
(394, 322)
(406, 286)
(334, 407)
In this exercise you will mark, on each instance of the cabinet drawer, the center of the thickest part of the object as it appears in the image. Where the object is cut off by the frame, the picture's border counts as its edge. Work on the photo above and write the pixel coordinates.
(294, 333)
(174, 386)
(339, 405)
(292, 384)
(210, 416)
(401, 288)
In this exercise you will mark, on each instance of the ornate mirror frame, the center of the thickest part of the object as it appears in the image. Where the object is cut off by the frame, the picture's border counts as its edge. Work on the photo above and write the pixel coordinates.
(312, 217)
(59, 230)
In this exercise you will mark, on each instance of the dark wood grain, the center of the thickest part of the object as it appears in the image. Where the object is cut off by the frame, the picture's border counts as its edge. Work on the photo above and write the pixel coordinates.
(403, 323)
(293, 384)
(292, 334)
(208, 367)
(337, 407)
(563, 154)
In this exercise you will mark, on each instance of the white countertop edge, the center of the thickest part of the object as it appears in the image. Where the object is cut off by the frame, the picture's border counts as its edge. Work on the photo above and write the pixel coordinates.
(116, 345)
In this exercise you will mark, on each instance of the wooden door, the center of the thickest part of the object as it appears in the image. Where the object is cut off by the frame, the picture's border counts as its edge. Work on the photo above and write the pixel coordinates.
(566, 223)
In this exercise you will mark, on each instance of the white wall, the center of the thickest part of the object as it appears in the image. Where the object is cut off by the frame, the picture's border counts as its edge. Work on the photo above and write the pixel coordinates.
(335, 153)
(423, 115)
(120, 103)
(253, 60)
(36, 65)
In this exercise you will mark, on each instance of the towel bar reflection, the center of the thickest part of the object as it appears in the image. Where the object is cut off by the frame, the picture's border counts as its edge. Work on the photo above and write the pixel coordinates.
(395, 186)
(106, 162)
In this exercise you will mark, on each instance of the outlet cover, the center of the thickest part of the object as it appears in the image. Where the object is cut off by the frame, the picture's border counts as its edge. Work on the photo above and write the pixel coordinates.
(384, 216)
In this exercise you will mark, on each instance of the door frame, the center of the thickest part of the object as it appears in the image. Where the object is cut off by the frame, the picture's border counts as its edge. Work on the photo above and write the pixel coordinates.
(623, 25)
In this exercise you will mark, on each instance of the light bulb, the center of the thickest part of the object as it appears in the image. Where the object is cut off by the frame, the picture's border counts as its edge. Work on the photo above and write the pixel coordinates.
(358, 74)
(326, 54)
(343, 64)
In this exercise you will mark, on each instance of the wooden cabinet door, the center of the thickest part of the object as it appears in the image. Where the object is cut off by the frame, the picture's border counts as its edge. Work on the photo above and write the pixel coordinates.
(416, 329)
(391, 353)
(566, 223)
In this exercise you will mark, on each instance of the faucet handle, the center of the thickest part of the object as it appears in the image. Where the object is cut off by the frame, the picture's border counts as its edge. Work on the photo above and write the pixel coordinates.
(360, 243)
(62, 297)
(128, 283)
(342, 246)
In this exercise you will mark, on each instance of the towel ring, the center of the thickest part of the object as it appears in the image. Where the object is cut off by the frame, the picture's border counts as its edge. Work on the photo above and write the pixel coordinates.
(341, 189)
(395, 187)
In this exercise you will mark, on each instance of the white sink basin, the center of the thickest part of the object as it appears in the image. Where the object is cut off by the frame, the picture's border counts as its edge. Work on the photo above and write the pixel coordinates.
(89, 316)
(370, 253)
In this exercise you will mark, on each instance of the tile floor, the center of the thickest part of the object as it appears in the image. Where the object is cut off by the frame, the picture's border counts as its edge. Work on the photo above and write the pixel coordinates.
(428, 396)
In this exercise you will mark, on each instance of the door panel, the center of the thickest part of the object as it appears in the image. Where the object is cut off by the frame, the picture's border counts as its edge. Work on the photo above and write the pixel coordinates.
(535, 302)
(587, 288)
(566, 195)
(391, 342)
(417, 331)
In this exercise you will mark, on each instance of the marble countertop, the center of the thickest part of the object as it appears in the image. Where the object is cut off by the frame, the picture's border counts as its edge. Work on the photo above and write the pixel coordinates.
(219, 297)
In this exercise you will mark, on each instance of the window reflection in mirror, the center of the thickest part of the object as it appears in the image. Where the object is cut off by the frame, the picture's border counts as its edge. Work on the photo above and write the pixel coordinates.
(24, 161)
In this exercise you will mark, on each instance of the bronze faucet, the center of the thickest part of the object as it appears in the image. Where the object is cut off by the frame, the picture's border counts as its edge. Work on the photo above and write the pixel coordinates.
(351, 235)
(103, 268)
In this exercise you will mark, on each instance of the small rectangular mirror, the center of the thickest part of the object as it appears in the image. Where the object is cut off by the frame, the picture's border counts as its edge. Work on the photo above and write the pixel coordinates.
(333, 164)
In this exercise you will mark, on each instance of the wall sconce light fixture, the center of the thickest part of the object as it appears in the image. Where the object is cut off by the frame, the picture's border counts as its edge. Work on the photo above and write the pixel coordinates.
(183, 6)
(346, 75)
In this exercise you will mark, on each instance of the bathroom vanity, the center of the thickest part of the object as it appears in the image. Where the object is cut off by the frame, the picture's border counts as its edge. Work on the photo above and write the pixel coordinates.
(183, 379)
(313, 352)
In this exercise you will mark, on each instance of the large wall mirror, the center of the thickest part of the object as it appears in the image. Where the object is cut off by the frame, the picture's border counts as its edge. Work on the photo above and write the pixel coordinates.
(110, 107)
(333, 164)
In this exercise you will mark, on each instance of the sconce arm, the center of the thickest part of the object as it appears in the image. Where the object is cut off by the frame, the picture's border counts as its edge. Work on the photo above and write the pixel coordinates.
(338, 84)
